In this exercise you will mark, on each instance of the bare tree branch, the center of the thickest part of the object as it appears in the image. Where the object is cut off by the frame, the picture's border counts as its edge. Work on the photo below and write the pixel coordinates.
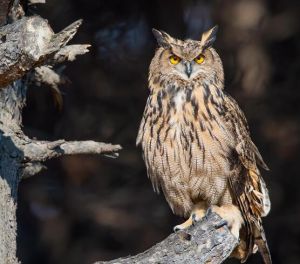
(69, 53)
(34, 2)
(30, 42)
(44, 150)
(209, 241)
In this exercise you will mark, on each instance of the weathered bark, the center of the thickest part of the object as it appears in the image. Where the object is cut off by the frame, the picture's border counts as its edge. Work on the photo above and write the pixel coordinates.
(24, 45)
(30, 42)
(209, 241)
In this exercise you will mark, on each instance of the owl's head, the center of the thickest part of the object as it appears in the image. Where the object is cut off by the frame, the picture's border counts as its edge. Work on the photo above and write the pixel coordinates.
(186, 59)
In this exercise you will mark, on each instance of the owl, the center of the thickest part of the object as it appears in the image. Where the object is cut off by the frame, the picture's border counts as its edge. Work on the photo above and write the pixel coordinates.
(196, 142)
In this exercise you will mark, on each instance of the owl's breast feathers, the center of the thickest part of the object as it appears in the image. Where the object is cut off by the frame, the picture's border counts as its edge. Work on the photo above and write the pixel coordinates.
(186, 142)
(196, 145)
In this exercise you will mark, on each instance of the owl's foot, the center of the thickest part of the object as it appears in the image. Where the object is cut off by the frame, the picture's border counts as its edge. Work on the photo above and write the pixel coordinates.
(232, 215)
(196, 215)
(184, 225)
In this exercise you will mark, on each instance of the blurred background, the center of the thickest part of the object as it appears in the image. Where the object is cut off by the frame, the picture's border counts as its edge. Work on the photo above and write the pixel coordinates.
(88, 208)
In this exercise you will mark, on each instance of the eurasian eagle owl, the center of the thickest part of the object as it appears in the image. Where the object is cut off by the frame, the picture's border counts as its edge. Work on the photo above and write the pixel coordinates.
(196, 142)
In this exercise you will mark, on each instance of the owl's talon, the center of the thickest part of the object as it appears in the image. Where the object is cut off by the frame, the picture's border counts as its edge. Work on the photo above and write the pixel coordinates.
(195, 218)
(221, 224)
(208, 212)
(184, 225)
(231, 215)
(177, 228)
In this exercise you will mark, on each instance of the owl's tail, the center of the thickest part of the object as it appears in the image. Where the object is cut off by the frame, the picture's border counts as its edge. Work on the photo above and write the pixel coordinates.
(261, 242)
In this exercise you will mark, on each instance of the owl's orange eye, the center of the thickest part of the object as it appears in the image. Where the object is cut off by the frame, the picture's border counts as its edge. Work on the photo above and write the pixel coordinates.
(174, 59)
(199, 59)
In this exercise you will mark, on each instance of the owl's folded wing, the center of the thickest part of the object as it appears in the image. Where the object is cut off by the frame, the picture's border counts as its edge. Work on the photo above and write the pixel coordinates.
(249, 157)
(248, 187)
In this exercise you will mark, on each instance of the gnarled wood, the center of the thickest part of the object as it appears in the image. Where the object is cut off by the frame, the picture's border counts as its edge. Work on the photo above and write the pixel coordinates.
(30, 42)
(209, 241)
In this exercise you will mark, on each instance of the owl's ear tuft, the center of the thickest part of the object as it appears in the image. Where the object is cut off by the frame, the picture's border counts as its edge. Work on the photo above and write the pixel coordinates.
(209, 37)
(163, 39)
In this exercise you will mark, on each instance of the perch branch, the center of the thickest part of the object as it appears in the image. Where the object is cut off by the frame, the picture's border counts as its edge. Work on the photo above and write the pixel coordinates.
(208, 241)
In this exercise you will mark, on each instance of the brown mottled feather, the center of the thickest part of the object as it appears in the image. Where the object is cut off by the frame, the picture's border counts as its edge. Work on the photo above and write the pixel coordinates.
(196, 141)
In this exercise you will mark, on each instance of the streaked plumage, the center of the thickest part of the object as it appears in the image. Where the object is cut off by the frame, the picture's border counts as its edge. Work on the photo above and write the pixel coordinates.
(196, 141)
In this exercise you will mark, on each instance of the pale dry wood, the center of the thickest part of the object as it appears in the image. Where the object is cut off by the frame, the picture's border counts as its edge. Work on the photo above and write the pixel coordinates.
(209, 241)
(34, 2)
(30, 42)
(38, 151)
(69, 53)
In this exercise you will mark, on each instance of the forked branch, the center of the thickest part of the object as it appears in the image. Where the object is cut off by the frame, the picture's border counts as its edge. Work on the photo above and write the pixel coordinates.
(30, 42)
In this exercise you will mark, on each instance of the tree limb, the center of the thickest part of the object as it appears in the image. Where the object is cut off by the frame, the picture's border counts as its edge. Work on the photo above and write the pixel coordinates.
(209, 241)
(30, 42)
(69, 53)
(44, 150)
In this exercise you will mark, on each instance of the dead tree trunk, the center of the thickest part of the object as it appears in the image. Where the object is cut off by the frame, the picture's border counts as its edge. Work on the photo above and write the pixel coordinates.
(28, 46)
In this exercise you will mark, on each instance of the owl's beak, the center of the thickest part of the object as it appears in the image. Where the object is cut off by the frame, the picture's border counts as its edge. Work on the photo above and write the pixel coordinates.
(188, 69)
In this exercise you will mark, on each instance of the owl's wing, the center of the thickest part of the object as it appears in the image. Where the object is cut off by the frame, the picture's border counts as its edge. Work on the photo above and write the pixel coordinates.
(248, 155)
(247, 186)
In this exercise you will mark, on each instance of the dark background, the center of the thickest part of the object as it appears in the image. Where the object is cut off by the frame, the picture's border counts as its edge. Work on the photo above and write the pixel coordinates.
(88, 208)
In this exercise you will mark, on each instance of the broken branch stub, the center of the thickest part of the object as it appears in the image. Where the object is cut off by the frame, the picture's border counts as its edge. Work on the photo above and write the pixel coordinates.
(28, 43)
